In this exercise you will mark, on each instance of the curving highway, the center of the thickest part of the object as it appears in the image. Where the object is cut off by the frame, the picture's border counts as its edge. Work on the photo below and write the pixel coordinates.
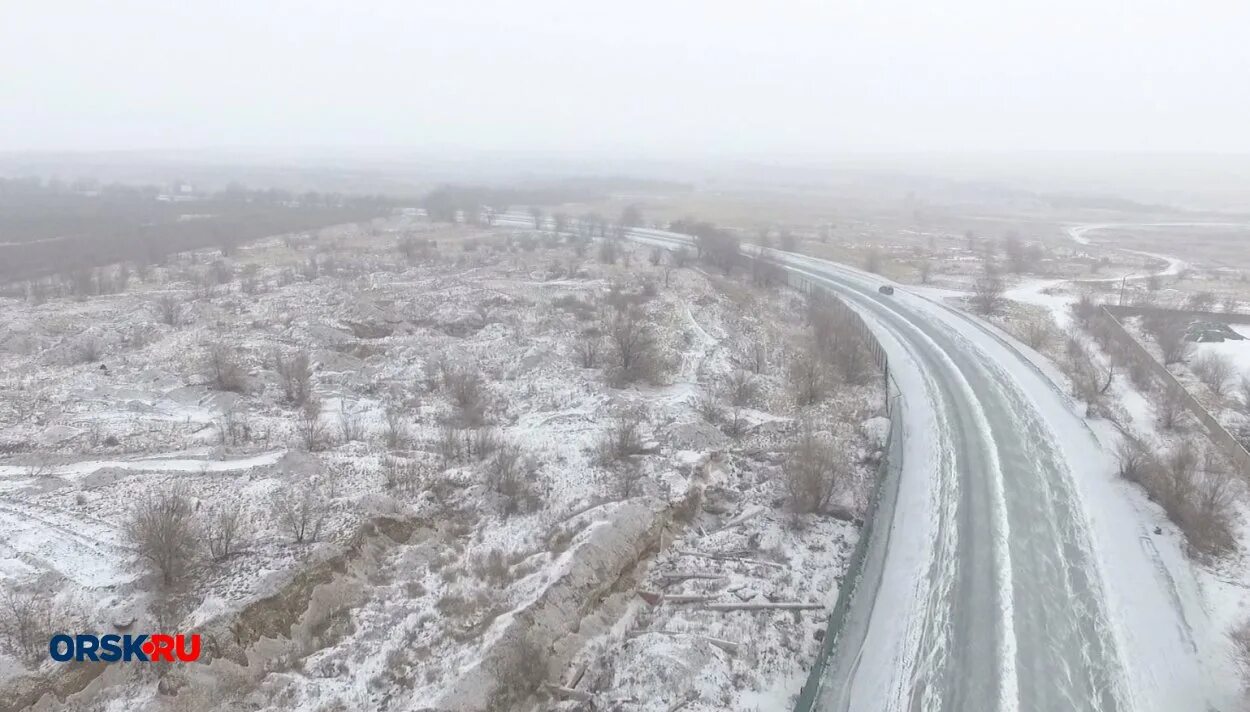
(1007, 571)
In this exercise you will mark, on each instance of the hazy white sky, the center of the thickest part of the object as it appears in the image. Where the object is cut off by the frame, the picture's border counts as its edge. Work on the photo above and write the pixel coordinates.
(653, 76)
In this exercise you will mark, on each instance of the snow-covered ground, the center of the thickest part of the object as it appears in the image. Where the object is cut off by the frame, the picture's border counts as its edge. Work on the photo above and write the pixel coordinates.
(395, 620)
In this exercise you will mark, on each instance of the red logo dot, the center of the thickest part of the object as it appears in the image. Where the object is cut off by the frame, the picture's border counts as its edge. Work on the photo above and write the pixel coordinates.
(148, 648)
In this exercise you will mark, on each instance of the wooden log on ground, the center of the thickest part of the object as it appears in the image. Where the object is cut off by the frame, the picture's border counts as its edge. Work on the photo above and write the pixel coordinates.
(781, 606)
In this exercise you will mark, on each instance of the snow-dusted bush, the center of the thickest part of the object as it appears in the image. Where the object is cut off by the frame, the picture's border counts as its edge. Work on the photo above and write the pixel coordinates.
(27, 621)
(808, 375)
(630, 333)
(811, 472)
(309, 426)
(622, 439)
(162, 528)
(1215, 370)
(1135, 460)
(295, 374)
(224, 531)
(224, 370)
(510, 474)
(301, 513)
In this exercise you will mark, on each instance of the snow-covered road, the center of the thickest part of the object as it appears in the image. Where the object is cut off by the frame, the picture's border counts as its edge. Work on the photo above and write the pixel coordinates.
(1014, 573)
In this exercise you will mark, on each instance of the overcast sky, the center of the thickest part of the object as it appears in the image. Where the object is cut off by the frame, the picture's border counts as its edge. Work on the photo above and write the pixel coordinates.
(650, 76)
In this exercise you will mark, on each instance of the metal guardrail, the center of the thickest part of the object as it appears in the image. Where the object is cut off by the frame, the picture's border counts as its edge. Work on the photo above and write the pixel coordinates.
(892, 457)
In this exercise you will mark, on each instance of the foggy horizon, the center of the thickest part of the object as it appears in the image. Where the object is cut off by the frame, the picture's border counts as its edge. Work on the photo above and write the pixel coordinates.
(693, 80)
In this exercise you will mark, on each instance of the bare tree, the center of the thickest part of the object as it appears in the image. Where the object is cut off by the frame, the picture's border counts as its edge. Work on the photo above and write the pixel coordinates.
(1015, 252)
(873, 261)
(350, 425)
(742, 389)
(987, 291)
(630, 334)
(1169, 334)
(27, 622)
(811, 472)
(224, 369)
(588, 347)
(295, 375)
(224, 531)
(1201, 301)
(1038, 332)
(1135, 460)
(537, 214)
(395, 428)
(623, 439)
(168, 309)
(1215, 370)
(311, 430)
(809, 380)
(467, 390)
(1170, 408)
(301, 514)
(162, 529)
(926, 271)
(509, 474)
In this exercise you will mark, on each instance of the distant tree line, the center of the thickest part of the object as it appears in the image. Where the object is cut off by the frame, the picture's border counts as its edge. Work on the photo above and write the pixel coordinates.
(52, 228)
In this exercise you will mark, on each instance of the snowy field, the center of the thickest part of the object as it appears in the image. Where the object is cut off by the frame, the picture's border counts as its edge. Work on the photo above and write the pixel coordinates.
(455, 479)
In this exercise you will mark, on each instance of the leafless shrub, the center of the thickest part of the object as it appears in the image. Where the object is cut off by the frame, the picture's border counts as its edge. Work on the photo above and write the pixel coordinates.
(708, 406)
(482, 443)
(233, 428)
(295, 375)
(39, 465)
(350, 425)
(1090, 380)
(1241, 643)
(395, 428)
(811, 472)
(1198, 500)
(1135, 460)
(168, 309)
(467, 390)
(399, 473)
(851, 356)
(224, 531)
(1169, 334)
(89, 349)
(873, 261)
(588, 347)
(1201, 301)
(623, 439)
(809, 378)
(450, 443)
(302, 513)
(1084, 310)
(161, 527)
(509, 474)
(27, 622)
(1038, 332)
(224, 369)
(1215, 370)
(757, 357)
(735, 422)
(987, 291)
(1170, 408)
(631, 335)
(492, 568)
(311, 429)
(742, 389)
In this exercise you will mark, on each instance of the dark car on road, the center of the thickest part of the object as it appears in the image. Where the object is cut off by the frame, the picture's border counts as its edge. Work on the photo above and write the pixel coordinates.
(885, 289)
